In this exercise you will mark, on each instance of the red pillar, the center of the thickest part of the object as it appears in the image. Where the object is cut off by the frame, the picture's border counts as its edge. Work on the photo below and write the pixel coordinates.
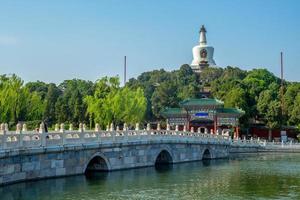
(215, 124)
(237, 132)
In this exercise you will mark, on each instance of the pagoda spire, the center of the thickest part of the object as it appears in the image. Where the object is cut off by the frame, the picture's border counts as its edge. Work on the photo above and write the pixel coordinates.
(202, 38)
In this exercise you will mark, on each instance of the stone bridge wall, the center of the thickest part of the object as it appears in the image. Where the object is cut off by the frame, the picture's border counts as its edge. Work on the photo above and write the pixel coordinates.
(62, 161)
(28, 155)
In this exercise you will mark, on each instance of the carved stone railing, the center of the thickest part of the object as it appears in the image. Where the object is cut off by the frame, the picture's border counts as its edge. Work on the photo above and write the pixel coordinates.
(29, 139)
(281, 145)
(21, 139)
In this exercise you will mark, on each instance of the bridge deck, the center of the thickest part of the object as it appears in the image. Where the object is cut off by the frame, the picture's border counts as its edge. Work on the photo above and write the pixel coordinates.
(34, 140)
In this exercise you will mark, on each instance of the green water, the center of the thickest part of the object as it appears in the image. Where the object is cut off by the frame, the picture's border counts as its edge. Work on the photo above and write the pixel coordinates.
(260, 176)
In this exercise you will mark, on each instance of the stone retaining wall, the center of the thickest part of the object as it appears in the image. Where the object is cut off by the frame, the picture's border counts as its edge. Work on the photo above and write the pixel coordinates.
(30, 164)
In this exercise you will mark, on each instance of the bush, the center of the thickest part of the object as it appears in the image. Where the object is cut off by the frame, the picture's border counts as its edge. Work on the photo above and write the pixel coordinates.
(32, 125)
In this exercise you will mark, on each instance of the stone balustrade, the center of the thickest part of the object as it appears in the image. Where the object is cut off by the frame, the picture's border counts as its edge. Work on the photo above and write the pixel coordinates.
(22, 138)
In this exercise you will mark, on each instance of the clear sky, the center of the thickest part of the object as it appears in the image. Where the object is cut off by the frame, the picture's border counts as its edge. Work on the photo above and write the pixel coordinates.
(56, 40)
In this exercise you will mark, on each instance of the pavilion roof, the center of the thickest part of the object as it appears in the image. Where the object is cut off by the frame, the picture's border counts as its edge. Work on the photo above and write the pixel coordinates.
(221, 112)
(202, 102)
(173, 112)
(230, 111)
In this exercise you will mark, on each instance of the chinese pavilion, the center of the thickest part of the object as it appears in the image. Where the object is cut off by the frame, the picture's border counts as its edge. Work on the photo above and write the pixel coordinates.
(205, 115)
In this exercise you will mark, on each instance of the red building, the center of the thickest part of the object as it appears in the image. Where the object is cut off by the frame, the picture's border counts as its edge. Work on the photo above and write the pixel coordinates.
(206, 114)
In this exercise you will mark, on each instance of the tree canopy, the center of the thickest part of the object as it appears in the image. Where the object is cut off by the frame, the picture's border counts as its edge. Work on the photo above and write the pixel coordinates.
(112, 104)
(142, 99)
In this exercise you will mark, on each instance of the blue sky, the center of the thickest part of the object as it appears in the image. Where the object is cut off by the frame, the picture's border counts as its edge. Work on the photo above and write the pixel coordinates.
(56, 40)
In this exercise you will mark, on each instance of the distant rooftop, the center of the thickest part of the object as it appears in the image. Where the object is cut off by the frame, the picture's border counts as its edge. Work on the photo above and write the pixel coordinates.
(201, 102)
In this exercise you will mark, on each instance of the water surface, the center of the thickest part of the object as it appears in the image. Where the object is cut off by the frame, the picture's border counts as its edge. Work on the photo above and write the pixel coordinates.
(254, 176)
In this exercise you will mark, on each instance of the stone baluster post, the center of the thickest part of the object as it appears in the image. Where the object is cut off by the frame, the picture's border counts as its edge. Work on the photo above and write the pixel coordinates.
(80, 128)
(148, 127)
(1, 128)
(107, 127)
(217, 132)
(24, 128)
(71, 127)
(125, 127)
(56, 127)
(205, 131)
(137, 126)
(83, 127)
(19, 131)
(192, 129)
(117, 128)
(176, 128)
(6, 127)
(3, 132)
(112, 131)
(18, 128)
(158, 127)
(97, 130)
(81, 133)
(43, 134)
(112, 128)
(62, 130)
(184, 128)
(125, 133)
(97, 127)
(168, 127)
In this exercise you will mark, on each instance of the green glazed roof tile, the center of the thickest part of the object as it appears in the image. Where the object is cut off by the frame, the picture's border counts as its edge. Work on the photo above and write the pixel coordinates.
(201, 102)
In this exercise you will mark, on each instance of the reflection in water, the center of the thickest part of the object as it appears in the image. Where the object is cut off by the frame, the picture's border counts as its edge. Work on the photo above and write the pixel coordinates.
(262, 176)
(162, 168)
(96, 175)
(206, 163)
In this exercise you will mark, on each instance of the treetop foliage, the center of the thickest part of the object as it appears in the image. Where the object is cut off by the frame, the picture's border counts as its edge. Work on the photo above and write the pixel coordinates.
(255, 91)
(142, 99)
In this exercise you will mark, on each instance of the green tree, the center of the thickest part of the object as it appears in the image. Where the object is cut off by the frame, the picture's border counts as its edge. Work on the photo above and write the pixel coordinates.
(295, 112)
(292, 91)
(269, 108)
(50, 101)
(165, 95)
(35, 108)
(110, 103)
(40, 87)
(13, 99)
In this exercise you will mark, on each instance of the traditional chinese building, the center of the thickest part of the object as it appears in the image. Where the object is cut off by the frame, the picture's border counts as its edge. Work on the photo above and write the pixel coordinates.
(202, 53)
(207, 115)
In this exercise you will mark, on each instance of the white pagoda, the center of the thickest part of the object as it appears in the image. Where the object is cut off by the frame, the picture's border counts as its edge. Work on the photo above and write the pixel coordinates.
(202, 53)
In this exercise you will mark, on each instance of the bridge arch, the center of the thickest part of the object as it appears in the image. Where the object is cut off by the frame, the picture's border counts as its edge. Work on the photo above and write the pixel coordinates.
(163, 157)
(98, 162)
(206, 155)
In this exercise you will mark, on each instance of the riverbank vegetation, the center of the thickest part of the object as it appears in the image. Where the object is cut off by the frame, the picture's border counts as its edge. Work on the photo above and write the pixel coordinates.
(257, 92)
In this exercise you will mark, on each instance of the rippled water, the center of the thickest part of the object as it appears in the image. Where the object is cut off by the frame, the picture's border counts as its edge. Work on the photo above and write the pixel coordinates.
(254, 176)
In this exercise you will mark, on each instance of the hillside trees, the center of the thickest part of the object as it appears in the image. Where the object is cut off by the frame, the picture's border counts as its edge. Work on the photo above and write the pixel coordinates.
(166, 89)
(16, 102)
(73, 101)
(111, 104)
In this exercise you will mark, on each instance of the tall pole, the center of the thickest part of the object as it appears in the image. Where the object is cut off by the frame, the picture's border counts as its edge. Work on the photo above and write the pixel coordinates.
(124, 70)
(281, 87)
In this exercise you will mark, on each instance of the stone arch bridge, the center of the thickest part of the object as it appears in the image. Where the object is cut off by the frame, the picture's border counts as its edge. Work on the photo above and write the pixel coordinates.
(32, 155)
